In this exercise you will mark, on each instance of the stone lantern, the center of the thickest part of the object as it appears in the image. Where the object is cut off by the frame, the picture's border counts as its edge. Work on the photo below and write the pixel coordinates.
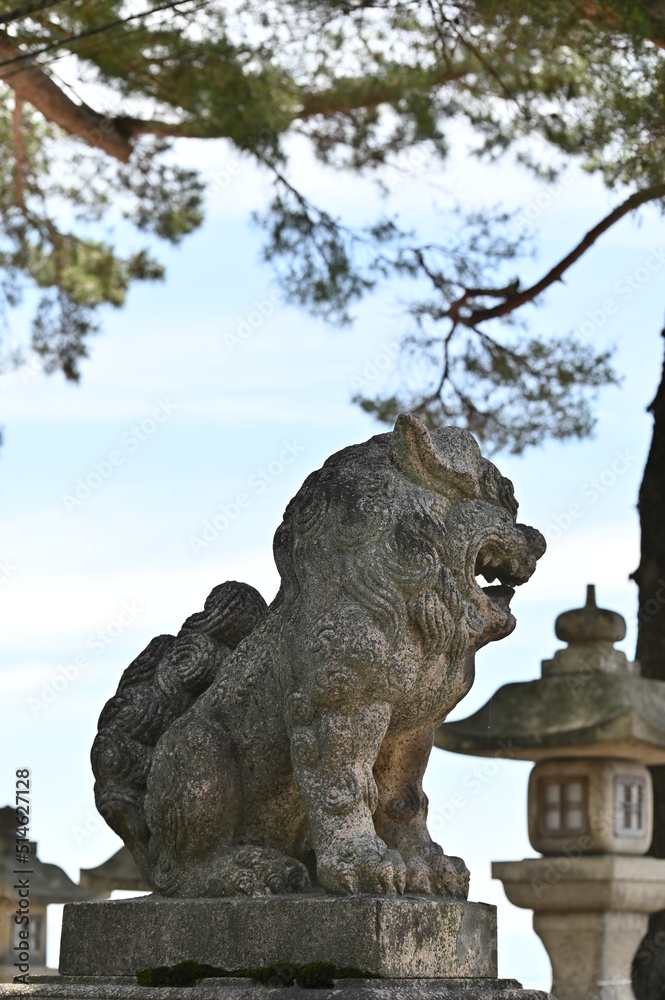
(592, 724)
(47, 884)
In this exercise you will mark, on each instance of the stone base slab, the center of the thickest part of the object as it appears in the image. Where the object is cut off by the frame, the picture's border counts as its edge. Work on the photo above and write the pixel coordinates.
(389, 936)
(123, 988)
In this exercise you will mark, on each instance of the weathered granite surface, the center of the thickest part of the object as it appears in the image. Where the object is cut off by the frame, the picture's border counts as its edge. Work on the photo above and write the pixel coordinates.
(402, 937)
(262, 749)
(214, 989)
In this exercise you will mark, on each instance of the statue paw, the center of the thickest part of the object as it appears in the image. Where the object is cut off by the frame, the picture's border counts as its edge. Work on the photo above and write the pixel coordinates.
(245, 870)
(267, 872)
(436, 873)
(368, 869)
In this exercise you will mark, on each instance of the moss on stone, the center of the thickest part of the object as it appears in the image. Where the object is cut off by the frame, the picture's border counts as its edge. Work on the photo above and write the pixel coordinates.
(312, 976)
(185, 973)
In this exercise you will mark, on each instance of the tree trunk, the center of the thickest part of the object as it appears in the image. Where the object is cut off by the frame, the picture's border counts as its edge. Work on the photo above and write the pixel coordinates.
(649, 967)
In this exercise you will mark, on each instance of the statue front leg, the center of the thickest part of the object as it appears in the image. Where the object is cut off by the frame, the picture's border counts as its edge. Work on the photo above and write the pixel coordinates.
(401, 816)
(333, 756)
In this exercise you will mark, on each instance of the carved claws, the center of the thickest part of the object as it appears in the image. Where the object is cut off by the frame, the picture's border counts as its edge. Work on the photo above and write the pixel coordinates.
(437, 873)
(372, 869)
(376, 869)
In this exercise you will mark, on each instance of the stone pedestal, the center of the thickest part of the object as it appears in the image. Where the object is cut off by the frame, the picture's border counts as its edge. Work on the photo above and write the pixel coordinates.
(395, 936)
(347, 989)
(591, 913)
(422, 948)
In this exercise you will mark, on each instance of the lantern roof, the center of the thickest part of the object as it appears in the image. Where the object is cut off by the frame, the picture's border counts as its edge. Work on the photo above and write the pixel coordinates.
(48, 883)
(589, 702)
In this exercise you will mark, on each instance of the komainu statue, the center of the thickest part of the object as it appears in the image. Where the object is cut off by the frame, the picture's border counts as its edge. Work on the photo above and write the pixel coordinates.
(267, 749)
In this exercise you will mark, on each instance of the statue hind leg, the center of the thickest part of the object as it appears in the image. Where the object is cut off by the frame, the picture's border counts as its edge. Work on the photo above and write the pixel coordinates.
(194, 811)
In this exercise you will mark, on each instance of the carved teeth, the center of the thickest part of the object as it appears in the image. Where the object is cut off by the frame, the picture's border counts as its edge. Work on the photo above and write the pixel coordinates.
(489, 565)
(511, 573)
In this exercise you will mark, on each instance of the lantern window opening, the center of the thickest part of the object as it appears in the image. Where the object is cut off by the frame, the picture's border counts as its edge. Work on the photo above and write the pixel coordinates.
(629, 806)
(562, 805)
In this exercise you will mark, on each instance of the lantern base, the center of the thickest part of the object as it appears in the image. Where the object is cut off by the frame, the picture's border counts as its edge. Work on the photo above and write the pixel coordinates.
(591, 913)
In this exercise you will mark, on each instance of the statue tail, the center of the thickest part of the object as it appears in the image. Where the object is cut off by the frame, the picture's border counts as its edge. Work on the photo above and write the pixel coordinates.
(156, 689)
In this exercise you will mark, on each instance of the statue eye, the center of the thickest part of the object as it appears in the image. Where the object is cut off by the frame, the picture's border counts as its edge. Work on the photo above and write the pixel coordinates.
(425, 557)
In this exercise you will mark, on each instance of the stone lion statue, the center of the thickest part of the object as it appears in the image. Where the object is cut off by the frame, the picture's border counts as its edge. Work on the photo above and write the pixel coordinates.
(266, 749)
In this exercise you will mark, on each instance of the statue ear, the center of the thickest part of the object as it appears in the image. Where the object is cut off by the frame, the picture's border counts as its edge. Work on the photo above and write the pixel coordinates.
(453, 466)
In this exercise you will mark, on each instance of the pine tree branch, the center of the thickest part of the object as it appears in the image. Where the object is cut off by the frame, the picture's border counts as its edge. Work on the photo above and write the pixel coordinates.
(513, 302)
(351, 94)
(347, 96)
(32, 85)
(131, 127)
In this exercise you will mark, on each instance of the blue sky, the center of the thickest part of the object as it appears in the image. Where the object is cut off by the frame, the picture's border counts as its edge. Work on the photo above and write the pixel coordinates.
(180, 411)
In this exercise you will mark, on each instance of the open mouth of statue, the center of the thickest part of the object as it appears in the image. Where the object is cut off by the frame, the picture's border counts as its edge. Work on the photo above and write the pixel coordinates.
(497, 562)
(499, 597)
